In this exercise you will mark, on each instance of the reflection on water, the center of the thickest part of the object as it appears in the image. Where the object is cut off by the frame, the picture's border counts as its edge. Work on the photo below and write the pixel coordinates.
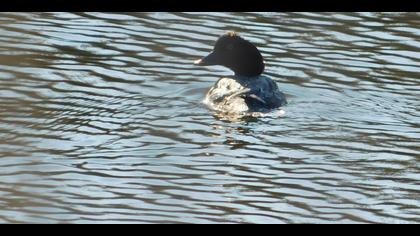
(101, 120)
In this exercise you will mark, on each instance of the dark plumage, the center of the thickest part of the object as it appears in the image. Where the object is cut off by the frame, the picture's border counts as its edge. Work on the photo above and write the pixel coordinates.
(237, 54)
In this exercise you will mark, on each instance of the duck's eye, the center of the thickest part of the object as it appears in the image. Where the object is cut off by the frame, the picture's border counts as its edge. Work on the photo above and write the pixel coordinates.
(229, 47)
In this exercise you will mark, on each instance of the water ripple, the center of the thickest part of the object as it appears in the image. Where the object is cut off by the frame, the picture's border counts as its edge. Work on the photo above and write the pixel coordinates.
(102, 121)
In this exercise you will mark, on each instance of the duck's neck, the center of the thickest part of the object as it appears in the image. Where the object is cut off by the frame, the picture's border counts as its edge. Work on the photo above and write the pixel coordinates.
(247, 76)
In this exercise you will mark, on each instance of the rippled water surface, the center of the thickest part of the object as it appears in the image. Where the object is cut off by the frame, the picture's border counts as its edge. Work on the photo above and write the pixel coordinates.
(102, 120)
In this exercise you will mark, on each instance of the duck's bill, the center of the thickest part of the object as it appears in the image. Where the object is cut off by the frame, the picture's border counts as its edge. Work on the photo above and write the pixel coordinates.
(198, 62)
(208, 60)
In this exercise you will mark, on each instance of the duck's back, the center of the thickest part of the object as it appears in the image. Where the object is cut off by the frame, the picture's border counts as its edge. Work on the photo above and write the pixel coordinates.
(245, 94)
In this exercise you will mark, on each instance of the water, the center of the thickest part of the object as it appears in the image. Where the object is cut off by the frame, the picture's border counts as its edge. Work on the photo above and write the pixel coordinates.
(102, 121)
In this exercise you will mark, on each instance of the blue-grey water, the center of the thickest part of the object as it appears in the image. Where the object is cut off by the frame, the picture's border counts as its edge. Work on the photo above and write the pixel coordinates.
(102, 120)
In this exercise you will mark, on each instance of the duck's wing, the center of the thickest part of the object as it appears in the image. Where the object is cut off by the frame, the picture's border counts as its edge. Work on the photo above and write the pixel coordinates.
(246, 93)
(253, 96)
(240, 92)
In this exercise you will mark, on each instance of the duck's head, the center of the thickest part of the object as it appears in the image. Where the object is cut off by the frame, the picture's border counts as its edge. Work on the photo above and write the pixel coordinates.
(235, 53)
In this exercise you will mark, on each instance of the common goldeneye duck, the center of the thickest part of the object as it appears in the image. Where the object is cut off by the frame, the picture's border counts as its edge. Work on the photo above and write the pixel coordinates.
(247, 90)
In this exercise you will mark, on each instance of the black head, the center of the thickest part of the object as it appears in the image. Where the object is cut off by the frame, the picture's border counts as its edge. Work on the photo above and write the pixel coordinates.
(235, 53)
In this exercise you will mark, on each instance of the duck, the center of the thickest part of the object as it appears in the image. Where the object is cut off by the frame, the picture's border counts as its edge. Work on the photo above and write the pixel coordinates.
(248, 90)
